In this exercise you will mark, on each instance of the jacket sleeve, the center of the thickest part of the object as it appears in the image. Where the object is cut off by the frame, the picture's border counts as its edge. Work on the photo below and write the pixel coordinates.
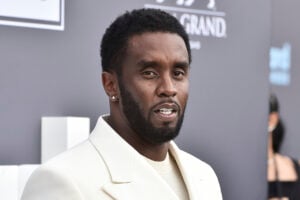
(50, 184)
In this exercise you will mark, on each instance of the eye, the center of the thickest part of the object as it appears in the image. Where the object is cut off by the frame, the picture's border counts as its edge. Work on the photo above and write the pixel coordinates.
(179, 74)
(149, 74)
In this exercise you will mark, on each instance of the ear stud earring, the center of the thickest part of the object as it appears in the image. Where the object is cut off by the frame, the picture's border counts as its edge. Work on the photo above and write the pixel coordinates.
(114, 98)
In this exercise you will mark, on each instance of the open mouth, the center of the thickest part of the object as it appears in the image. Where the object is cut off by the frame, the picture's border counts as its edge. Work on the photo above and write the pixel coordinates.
(166, 111)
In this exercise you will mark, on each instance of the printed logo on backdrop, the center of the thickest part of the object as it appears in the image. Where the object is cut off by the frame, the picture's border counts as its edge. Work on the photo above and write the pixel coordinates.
(201, 19)
(280, 65)
(43, 14)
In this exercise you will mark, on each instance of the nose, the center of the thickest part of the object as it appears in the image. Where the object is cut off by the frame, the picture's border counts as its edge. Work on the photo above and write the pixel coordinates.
(166, 87)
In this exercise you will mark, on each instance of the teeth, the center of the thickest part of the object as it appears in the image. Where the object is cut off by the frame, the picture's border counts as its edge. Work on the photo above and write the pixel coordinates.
(165, 111)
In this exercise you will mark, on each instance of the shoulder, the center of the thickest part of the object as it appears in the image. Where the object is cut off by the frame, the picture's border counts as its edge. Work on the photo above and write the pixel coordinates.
(79, 161)
(76, 155)
(284, 160)
(49, 183)
(66, 175)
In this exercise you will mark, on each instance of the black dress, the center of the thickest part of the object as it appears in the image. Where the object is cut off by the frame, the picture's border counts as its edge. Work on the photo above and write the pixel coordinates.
(290, 189)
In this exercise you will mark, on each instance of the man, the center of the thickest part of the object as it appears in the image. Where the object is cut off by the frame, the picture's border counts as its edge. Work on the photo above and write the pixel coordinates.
(130, 154)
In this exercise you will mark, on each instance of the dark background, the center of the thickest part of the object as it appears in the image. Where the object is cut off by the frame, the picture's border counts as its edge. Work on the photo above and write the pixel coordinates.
(57, 73)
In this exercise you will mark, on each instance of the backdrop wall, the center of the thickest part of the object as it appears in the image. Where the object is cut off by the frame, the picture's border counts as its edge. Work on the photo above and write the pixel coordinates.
(57, 73)
(285, 64)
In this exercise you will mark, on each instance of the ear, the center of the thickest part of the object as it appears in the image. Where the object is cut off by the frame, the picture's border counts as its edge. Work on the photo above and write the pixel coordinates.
(110, 83)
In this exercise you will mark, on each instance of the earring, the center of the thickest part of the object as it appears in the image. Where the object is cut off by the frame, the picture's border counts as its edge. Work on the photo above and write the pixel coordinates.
(114, 98)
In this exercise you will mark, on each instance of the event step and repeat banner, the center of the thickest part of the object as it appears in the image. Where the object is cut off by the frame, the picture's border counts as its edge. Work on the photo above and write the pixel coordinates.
(57, 73)
(284, 74)
(205, 21)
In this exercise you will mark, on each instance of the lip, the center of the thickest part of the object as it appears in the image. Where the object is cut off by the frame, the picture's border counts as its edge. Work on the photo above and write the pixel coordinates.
(167, 111)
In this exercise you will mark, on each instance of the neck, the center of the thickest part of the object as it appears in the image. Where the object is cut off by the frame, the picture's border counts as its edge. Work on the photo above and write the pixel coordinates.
(156, 153)
(271, 153)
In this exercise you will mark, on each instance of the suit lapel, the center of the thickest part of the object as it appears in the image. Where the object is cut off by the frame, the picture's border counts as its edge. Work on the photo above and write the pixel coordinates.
(198, 176)
(131, 176)
(188, 175)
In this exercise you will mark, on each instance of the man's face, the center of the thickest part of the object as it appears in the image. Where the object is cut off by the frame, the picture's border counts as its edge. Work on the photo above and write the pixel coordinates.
(154, 85)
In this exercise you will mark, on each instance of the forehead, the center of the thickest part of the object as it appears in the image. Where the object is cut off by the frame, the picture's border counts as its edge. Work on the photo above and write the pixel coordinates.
(157, 44)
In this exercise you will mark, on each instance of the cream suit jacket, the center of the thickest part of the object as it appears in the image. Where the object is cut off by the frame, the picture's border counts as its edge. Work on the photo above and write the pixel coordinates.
(105, 167)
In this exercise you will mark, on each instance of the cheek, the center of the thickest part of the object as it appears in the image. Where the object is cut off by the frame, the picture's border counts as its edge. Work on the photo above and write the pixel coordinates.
(183, 93)
(143, 94)
(146, 96)
(184, 99)
(143, 89)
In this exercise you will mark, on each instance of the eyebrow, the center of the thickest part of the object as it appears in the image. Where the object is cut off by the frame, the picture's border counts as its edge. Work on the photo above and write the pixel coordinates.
(145, 64)
(182, 64)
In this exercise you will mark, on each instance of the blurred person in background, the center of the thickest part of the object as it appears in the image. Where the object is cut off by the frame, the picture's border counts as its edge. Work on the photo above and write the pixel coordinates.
(283, 171)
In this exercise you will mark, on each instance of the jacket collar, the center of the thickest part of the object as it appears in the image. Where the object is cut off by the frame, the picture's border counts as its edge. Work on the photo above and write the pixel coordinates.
(131, 175)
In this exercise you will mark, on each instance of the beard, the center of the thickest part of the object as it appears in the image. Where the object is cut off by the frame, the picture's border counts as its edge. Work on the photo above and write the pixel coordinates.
(142, 125)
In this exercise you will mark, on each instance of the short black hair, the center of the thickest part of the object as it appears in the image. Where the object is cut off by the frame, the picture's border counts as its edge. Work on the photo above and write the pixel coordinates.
(115, 40)
(273, 103)
(278, 136)
(279, 131)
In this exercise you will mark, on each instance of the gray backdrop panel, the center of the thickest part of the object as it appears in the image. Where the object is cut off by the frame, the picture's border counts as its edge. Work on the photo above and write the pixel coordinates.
(58, 73)
(285, 30)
